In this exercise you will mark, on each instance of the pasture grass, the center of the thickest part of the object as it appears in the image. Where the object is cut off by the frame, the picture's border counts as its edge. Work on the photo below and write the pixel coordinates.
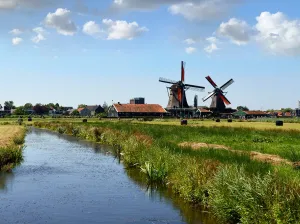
(260, 123)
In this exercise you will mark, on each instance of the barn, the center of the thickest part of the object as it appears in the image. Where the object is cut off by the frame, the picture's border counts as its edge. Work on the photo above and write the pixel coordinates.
(136, 110)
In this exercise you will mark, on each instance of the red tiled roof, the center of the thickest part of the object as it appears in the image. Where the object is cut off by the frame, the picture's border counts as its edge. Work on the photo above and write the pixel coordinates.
(255, 112)
(139, 108)
(202, 110)
(288, 114)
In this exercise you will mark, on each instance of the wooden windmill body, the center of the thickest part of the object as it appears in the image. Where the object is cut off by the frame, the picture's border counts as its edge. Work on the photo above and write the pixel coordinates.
(177, 91)
(219, 101)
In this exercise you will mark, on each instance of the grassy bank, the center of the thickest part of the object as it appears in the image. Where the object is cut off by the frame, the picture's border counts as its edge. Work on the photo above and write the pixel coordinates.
(236, 187)
(11, 141)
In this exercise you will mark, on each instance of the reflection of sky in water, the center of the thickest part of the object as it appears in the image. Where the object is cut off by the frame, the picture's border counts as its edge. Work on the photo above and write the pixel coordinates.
(64, 180)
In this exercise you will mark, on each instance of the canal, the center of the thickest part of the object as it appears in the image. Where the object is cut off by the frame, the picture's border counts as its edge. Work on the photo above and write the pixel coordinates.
(65, 180)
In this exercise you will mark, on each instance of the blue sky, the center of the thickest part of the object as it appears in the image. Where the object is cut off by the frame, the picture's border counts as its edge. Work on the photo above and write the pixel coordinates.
(87, 51)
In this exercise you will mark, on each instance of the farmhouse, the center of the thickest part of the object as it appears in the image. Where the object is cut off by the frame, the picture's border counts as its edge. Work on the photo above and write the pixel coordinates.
(136, 110)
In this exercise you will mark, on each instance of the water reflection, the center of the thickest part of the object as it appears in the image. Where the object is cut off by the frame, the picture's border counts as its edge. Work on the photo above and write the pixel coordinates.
(4, 179)
(192, 214)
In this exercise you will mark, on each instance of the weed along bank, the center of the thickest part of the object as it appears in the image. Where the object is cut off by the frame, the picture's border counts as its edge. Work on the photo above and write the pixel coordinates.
(11, 145)
(241, 175)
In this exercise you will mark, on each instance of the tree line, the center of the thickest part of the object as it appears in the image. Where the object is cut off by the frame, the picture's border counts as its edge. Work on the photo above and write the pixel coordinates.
(29, 108)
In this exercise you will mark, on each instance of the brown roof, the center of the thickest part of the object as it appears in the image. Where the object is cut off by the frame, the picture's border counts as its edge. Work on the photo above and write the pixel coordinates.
(203, 110)
(80, 109)
(255, 112)
(139, 108)
(288, 114)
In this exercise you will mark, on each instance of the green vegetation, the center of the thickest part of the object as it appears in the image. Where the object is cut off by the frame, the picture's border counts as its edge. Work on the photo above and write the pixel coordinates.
(11, 144)
(232, 184)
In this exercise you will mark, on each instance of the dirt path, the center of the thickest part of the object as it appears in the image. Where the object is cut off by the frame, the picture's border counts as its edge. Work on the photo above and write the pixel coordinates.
(273, 159)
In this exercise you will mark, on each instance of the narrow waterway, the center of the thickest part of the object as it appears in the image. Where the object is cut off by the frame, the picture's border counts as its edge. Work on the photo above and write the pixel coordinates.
(64, 180)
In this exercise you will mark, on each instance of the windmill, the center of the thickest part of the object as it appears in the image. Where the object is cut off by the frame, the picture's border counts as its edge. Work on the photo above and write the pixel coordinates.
(218, 98)
(177, 95)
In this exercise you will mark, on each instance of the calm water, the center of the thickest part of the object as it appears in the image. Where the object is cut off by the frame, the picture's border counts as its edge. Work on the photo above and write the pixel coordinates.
(63, 180)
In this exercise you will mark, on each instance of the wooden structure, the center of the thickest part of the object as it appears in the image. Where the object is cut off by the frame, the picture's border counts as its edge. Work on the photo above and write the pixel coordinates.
(177, 93)
(218, 98)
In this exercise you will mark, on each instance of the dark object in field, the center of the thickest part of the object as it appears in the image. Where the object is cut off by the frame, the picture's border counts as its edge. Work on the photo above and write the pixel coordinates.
(229, 120)
(100, 118)
(183, 122)
(29, 119)
(218, 120)
(84, 120)
(279, 123)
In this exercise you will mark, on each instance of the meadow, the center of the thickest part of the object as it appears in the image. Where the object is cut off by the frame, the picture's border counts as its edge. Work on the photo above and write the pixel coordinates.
(245, 174)
(11, 141)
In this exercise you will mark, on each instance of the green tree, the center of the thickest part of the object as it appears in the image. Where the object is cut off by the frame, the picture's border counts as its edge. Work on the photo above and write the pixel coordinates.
(81, 106)
(286, 110)
(105, 107)
(28, 106)
(8, 105)
(75, 113)
(243, 108)
(19, 111)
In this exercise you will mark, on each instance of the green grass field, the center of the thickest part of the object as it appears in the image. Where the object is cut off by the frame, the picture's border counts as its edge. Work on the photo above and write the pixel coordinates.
(289, 124)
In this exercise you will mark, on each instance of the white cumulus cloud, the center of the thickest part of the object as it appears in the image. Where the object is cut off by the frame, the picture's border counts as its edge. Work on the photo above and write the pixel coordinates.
(12, 4)
(278, 34)
(40, 34)
(61, 21)
(16, 41)
(189, 9)
(142, 4)
(238, 31)
(8, 4)
(200, 10)
(190, 50)
(16, 32)
(212, 46)
(92, 28)
(189, 41)
(119, 29)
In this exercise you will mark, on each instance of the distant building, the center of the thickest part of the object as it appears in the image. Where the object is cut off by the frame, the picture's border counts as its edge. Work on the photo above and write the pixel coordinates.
(250, 114)
(202, 112)
(297, 112)
(84, 112)
(137, 100)
(95, 109)
(136, 110)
